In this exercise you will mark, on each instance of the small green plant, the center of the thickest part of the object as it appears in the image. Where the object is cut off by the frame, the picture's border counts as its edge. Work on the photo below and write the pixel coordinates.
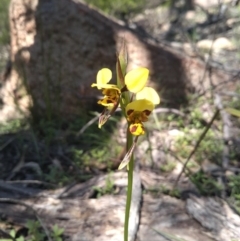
(206, 185)
(4, 24)
(55, 175)
(211, 147)
(34, 231)
(12, 126)
(173, 192)
(14, 237)
(168, 166)
(57, 233)
(234, 184)
(107, 189)
(118, 7)
(234, 188)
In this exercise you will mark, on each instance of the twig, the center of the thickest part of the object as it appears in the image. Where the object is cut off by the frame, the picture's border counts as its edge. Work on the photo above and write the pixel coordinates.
(204, 92)
(88, 125)
(19, 165)
(167, 236)
(197, 144)
(226, 131)
(37, 182)
(167, 110)
(229, 93)
(22, 191)
(91, 122)
(226, 137)
(6, 143)
(14, 201)
(188, 173)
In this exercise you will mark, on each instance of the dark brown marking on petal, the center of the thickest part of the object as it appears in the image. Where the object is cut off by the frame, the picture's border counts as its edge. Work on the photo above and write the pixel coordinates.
(147, 112)
(124, 88)
(129, 112)
(109, 101)
(133, 128)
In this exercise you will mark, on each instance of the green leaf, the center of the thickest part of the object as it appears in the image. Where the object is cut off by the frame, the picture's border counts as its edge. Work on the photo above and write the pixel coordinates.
(168, 236)
(13, 233)
(57, 231)
(21, 238)
(234, 112)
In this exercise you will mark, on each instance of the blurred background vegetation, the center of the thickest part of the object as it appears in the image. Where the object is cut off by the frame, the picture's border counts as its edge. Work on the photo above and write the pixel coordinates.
(4, 33)
(4, 22)
(119, 8)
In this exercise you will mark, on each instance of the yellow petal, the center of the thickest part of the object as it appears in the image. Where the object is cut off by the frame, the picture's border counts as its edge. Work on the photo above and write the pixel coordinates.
(136, 79)
(106, 102)
(140, 105)
(104, 76)
(106, 86)
(150, 94)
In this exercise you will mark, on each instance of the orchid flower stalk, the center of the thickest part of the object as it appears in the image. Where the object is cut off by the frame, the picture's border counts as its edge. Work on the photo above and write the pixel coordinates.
(137, 103)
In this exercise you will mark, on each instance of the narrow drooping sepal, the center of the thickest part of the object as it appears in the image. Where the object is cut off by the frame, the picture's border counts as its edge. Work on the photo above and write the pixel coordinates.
(106, 114)
(128, 155)
(121, 66)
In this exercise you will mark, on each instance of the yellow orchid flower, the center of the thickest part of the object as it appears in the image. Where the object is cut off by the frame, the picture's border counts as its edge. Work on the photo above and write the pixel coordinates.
(111, 92)
(134, 80)
(111, 95)
(137, 112)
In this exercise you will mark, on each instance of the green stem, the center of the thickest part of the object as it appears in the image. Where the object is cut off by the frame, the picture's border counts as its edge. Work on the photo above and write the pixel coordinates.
(129, 187)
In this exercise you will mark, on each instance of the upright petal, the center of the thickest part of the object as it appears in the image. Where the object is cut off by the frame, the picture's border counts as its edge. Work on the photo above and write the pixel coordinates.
(104, 76)
(148, 93)
(136, 79)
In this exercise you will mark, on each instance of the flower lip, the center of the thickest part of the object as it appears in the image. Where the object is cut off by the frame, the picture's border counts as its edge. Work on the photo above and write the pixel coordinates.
(137, 129)
(137, 112)
(140, 106)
